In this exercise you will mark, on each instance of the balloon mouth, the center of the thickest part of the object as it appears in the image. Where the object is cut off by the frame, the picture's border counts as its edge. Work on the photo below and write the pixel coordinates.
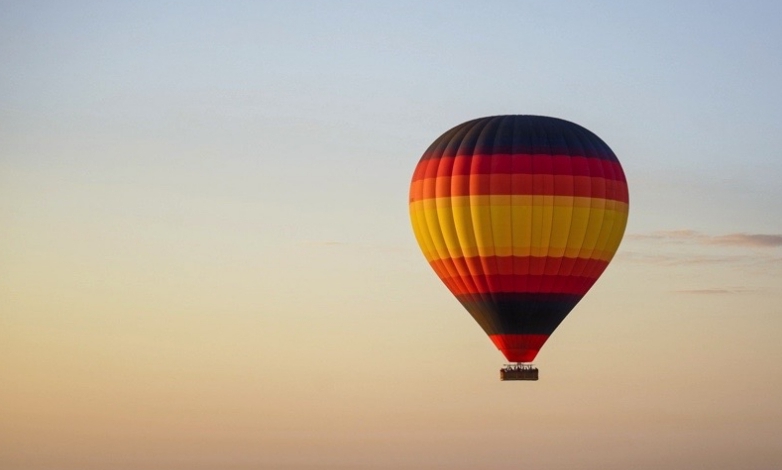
(519, 348)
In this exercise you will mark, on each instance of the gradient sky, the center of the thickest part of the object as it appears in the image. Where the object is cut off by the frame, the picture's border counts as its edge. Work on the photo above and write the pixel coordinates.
(206, 259)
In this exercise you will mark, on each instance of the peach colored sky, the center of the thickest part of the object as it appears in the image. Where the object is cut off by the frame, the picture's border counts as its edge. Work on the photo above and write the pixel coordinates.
(206, 259)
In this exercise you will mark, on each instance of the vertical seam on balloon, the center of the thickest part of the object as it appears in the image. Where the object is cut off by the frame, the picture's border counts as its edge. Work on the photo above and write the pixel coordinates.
(426, 160)
(581, 251)
(492, 170)
(561, 281)
(520, 341)
(535, 305)
(512, 151)
(478, 300)
(491, 215)
(532, 149)
(598, 269)
(590, 268)
(535, 193)
(471, 294)
(467, 278)
(547, 295)
(490, 287)
(602, 219)
(488, 296)
(573, 191)
(458, 279)
(619, 172)
(540, 158)
(608, 226)
(424, 229)
(434, 228)
(486, 306)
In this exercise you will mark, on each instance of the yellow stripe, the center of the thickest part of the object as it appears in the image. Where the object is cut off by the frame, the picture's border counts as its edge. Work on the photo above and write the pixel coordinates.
(450, 236)
(422, 233)
(518, 226)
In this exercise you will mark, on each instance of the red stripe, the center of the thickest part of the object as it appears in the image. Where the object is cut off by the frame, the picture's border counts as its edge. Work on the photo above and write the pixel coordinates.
(517, 164)
(521, 265)
(519, 185)
(549, 275)
(519, 348)
(521, 174)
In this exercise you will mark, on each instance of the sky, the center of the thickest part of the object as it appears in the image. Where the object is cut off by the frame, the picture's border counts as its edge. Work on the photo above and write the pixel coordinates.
(206, 259)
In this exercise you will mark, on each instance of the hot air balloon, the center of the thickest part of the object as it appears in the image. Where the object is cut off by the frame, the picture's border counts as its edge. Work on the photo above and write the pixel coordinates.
(518, 216)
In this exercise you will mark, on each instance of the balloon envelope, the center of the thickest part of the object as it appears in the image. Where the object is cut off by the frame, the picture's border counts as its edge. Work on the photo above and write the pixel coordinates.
(518, 216)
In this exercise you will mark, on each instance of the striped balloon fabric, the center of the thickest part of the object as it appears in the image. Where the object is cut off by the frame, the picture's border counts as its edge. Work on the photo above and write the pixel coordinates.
(519, 216)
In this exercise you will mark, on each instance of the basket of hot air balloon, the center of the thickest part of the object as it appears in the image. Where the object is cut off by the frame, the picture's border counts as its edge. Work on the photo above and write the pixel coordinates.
(519, 216)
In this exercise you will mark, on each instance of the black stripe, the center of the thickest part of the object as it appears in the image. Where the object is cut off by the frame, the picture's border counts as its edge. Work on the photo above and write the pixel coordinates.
(519, 134)
(516, 314)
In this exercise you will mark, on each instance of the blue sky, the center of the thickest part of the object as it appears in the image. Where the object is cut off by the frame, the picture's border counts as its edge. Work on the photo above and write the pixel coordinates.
(197, 198)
